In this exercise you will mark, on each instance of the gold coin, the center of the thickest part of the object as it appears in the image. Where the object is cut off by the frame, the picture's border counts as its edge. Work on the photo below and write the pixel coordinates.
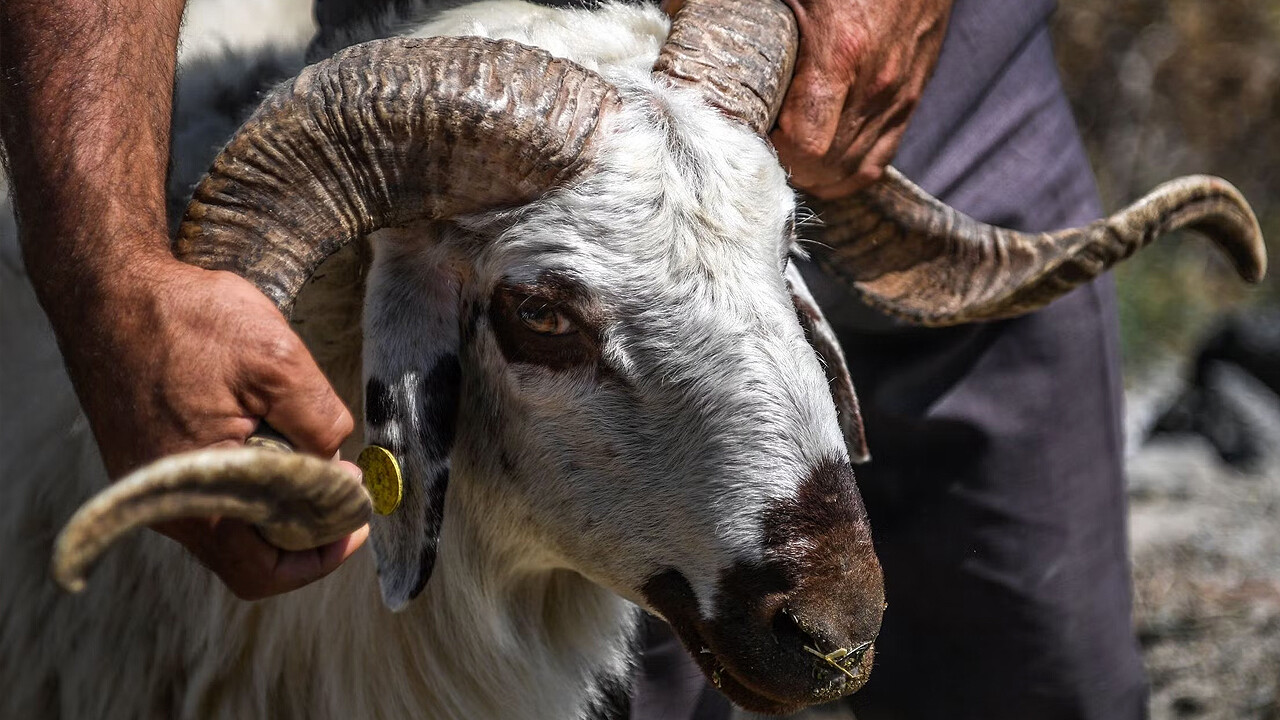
(382, 478)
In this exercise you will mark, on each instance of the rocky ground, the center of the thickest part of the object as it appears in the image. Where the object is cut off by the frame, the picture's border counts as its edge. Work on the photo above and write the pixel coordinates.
(1206, 563)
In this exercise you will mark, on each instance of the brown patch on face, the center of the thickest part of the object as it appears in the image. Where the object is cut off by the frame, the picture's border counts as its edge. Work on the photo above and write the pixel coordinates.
(795, 628)
(552, 293)
(823, 540)
(670, 594)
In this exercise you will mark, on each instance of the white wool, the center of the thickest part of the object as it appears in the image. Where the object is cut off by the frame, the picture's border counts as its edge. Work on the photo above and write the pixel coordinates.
(681, 234)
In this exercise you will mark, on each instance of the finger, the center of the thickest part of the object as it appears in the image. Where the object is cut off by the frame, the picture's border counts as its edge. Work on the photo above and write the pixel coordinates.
(808, 122)
(350, 467)
(295, 569)
(304, 407)
(850, 185)
(842, 167)
(861, 121)
(869, 171)
(882, 153)
(232, 550)
(868, 155)
(252, 568)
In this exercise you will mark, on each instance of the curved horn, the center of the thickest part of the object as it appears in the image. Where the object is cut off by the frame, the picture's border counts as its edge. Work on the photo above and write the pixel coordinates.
(738, 54)
(297, 501)
(904, 251)
(915, 258)
(382, 134)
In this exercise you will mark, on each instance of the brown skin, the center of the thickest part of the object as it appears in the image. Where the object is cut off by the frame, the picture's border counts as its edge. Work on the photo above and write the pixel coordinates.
(165, 357)
(861, 69)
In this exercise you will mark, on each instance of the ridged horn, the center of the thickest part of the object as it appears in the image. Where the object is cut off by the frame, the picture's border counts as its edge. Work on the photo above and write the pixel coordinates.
(383, 134)
(905, 252)
(297, 502)
(912, 257)
(738, 54)
(380, 135)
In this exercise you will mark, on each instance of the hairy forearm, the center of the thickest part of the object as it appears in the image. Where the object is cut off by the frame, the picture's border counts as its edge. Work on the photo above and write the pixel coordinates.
(165, 357)
(85, 103)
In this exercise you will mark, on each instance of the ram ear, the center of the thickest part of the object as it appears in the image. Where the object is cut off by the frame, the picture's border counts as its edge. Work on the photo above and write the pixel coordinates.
(412, 379)
(824, 342)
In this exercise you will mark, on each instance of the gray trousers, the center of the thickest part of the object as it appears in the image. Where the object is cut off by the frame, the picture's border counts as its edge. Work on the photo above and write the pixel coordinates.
(996, 489)
(996, 492)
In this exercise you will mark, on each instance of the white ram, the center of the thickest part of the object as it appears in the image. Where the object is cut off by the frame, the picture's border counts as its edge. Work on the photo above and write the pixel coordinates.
(598, 344)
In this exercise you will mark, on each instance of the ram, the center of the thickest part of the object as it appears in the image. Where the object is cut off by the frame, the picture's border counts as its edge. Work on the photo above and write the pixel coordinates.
(583, 317)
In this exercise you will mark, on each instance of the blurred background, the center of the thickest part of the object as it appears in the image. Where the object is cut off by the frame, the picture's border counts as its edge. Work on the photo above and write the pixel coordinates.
(1163, 88)
(1167, 87)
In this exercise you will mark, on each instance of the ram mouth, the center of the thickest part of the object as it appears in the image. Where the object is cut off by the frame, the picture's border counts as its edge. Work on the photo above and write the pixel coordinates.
(759, 652)
(834, 674)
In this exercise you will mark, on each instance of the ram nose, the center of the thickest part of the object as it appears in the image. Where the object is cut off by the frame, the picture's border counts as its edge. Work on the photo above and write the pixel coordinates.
(770, 649)
(796, 626)
(827, 642)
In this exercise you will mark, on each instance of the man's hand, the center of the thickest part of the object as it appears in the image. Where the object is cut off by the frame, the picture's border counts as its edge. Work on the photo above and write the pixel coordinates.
(175, 358)
(165, 357)
(861, 69)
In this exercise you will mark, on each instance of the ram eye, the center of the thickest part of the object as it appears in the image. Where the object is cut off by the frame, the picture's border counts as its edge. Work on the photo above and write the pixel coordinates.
(544, 319)
(549, 322)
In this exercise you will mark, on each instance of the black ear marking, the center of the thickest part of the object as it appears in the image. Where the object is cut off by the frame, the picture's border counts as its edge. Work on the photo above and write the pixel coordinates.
(439, 397)
(437, 415)
(434, 517)
(379, 405)
(823, 339)
(412, 387)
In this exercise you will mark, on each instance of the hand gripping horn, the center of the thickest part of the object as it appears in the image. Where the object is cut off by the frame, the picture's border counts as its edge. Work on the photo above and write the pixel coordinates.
(380, 135)
(904, 251)
(909, 254)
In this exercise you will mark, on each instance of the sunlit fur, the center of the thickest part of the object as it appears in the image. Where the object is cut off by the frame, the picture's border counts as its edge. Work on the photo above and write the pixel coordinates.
(568, 491)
